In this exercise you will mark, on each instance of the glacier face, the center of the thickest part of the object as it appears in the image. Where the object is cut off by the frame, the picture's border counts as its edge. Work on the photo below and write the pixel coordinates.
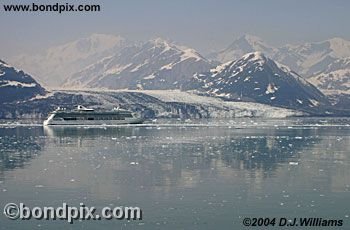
(149, 104)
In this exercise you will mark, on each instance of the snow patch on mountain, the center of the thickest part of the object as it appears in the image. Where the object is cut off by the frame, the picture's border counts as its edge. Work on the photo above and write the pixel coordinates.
(17, 84)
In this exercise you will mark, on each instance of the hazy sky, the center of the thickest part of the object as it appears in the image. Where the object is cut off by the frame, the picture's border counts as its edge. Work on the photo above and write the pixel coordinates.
(202, 24)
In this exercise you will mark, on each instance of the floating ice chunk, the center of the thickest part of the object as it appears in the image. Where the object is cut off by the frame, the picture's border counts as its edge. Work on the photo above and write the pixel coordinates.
(247, 79)
(271, 88)
(149, 77)
(314, 102)
(293, 163)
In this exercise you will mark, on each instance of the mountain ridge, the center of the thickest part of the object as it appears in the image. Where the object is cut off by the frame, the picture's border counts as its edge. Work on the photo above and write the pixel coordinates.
(244, 44)
(155, 64)
(311, 59)
(255, 77)
(54, 64)
(15, 85)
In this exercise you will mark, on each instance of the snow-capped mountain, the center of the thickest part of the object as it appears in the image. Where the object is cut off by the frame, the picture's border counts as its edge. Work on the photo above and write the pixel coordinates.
(324, 62)
(55, 64)
(240, 46)
(335, 78)
(15, 85)
(307, 59)
(311, 59)
(254, 77)
(156, 64)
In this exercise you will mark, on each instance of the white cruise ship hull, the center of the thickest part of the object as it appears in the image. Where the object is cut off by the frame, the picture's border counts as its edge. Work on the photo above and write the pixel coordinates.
(93, 122)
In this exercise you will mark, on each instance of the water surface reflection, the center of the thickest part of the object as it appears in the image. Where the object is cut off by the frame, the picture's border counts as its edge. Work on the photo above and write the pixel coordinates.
(183, 177)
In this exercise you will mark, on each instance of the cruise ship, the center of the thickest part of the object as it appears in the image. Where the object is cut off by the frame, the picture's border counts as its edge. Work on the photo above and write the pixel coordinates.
(86, 116)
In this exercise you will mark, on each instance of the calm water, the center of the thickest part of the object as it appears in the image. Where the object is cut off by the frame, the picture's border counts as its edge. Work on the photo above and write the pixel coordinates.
(196, 175)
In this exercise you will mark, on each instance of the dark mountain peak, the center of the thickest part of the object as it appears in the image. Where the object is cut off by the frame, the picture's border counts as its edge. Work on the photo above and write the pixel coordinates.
(160, 41)
(245, 44)
(254, 77)
(249, 38)
(166, 45)
(255, 57)
(250, 62)
(16, 85)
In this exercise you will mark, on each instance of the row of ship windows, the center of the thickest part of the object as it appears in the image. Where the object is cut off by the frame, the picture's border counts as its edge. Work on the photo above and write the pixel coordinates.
(90, 118)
